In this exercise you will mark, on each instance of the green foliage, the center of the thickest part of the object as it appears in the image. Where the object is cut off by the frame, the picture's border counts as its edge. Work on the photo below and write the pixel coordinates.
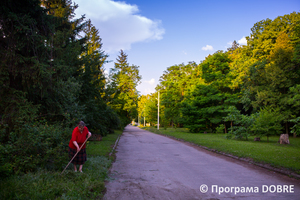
(240, 124)
(268, 122)
(122, 92)
(215, 69)
(45, 184)
(220, 128)
(173, 88)
(51, 76)
(35, 146)
(263, 73)
(147, 108)
(296, 128)
(99, 116)
(53, 185)
(203, 109)
(103, 147)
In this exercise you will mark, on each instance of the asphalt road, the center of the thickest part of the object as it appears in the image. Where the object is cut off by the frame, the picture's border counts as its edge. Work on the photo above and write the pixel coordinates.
(151, 166)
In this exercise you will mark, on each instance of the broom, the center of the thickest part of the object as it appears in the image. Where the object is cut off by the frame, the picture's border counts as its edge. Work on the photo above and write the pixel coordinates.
(74, 156)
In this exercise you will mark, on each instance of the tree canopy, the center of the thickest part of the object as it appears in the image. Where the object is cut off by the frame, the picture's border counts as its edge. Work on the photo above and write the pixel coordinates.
(51, 77)
(239, 89)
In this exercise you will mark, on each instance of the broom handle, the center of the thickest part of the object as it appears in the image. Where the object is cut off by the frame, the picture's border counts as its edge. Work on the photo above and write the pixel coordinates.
(74, 155)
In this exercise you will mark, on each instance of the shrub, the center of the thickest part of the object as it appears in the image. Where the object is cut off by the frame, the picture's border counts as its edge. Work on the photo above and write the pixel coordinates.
(296, 128)
(220, 128)
(33, 146)
(240, 124)
(268, 122)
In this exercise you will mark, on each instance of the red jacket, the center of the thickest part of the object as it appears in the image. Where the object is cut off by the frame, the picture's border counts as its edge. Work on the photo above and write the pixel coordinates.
(78, 137)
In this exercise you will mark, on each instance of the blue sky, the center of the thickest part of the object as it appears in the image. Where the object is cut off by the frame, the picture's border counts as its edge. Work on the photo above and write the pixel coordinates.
(157, 34)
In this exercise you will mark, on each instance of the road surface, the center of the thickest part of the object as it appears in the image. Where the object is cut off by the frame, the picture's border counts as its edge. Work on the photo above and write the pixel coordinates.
(151, 166)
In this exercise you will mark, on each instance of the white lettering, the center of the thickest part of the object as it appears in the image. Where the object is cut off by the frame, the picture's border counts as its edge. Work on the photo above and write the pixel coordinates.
(221, 190)
(236, 190)
(249, 189)
(212, 188)
(274, 188)
(243, 190)
(285, 188)
(291, 188)
(227, 189)
(232, 188)
(279, 188)
(265, 189)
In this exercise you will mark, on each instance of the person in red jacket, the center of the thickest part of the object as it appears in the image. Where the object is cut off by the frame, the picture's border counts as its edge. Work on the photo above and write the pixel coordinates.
(79, 135)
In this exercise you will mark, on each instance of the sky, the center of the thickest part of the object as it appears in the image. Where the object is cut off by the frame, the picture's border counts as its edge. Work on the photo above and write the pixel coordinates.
(157, 34)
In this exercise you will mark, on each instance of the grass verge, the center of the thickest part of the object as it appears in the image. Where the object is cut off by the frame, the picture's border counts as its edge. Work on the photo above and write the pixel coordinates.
(269, 153)
(71, 185)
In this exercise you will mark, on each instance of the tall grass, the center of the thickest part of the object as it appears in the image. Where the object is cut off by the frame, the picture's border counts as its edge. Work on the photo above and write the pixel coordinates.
(45, 184)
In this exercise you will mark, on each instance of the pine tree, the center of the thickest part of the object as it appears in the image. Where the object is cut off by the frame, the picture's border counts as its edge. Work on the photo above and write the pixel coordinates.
(97, 114)
(122, 90)
(24, 26)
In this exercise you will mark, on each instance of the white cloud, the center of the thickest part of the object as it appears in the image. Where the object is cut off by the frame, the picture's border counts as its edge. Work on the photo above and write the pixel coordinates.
(151, 82)
(148, 91)
(119, 23)
(229, 43)
(145, 88)
(208, 48)
(243, 41)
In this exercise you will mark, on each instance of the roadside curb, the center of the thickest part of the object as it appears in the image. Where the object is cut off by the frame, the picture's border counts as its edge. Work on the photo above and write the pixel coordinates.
(116, 143)
(281, 171)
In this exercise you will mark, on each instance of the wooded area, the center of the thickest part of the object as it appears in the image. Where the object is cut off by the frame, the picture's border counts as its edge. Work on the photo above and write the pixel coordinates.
(51, 77)
(251, 89)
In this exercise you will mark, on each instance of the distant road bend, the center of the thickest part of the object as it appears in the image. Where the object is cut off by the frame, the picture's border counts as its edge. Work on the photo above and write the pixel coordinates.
(151, 166)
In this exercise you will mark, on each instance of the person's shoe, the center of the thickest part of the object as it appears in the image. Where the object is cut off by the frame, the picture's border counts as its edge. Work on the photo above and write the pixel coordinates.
(81, 171)
(75, 170)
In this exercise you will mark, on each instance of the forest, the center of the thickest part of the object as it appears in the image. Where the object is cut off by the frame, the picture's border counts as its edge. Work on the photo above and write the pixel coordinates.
(247, 90)
(51, 77)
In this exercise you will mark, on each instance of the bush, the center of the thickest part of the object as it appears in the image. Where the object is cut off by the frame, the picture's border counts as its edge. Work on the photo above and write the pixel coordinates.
(241, 124)
(296, 128)
(33, 146)
(268, 122)
(220, 128)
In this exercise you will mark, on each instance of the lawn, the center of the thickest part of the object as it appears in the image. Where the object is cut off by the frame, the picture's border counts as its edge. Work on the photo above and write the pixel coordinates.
(70, 185)
(104, 147)
(272, 153)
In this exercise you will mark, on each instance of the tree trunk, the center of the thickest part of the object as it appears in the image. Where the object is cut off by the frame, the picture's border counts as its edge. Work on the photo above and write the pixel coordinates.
(225, 128)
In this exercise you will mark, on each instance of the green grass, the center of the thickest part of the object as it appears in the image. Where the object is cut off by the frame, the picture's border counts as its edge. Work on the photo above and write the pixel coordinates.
(104, 147)
(272, 153)
(71, 185)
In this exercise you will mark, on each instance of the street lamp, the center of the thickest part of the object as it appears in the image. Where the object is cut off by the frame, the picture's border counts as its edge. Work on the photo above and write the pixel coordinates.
(158, 113)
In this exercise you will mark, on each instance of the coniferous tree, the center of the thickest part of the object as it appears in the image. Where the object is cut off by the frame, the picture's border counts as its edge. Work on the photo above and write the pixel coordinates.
(122, 90)
(24, 26)
(97, 114)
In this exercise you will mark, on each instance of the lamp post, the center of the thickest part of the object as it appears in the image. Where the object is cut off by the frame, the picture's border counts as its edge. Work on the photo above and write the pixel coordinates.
(158, 113)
